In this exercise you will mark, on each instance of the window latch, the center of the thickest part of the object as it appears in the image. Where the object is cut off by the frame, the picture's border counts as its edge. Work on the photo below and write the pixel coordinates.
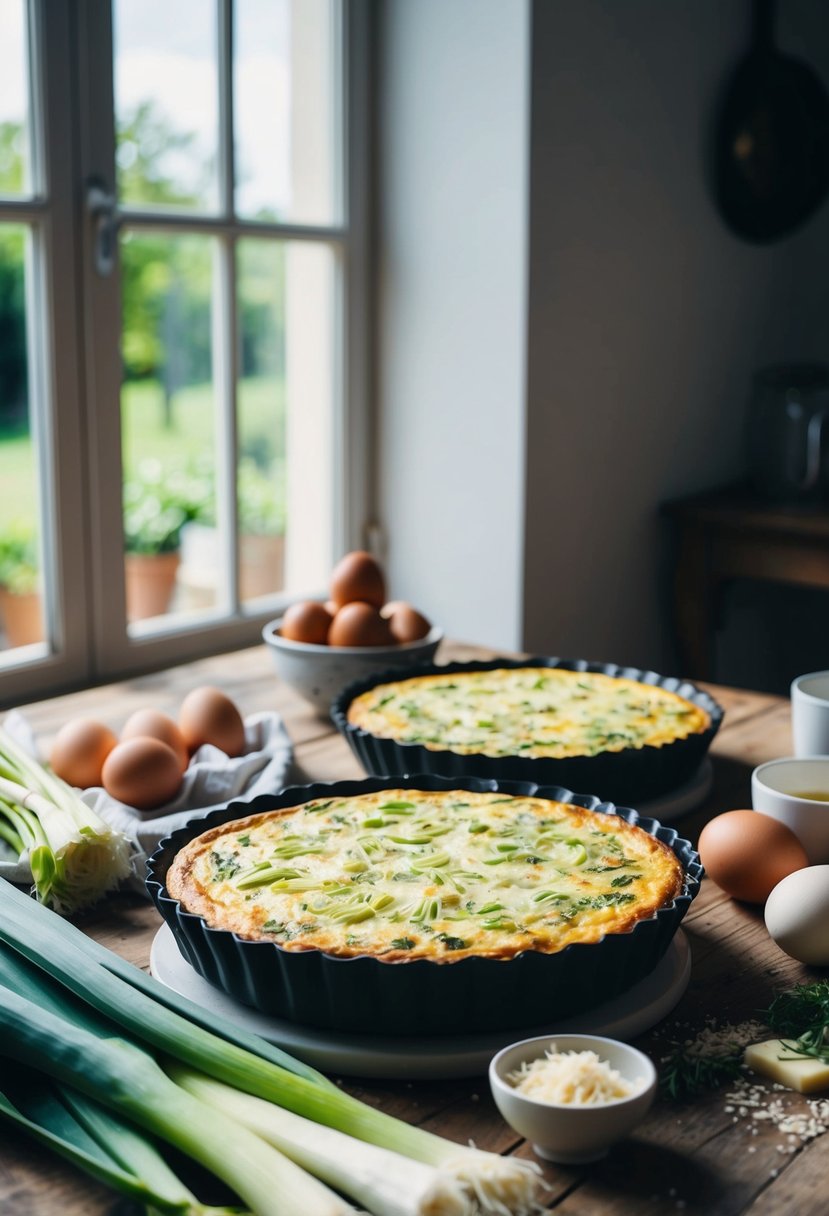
(102, 208)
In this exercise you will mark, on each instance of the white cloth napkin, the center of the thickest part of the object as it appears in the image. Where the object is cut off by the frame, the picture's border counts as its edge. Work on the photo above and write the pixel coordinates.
(212, 779)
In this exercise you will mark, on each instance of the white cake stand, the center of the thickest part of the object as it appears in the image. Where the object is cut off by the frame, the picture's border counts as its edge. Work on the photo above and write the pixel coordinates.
(428, 1058)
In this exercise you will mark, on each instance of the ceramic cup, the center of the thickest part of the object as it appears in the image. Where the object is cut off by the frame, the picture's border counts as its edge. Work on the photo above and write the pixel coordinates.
(778, 788)
(810, 714)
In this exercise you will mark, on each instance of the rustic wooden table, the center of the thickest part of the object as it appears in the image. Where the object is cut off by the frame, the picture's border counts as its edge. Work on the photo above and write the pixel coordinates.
(708, 1156)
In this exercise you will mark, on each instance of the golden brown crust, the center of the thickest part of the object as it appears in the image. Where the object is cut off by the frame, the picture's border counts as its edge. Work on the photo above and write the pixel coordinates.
(406, 874)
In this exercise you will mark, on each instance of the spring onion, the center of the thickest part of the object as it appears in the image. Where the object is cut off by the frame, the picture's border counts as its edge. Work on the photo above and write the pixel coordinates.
(126, 1079)
(496, 1184)
(75, 857)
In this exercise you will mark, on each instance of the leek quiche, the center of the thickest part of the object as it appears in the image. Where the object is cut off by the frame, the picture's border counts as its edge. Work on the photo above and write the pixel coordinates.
(526, 711)
(408, 874)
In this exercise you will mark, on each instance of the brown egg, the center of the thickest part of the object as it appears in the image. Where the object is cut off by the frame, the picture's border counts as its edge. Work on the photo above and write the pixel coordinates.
(388, 610)
(406, 623)
(307, 621)
(208, 716)
(747, 854)
(359, 624)
(79, 751)
(153, 724)
(358, 577)
(142, 772)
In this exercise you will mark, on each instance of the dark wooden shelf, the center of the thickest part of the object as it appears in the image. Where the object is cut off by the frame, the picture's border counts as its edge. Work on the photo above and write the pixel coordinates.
(730, 533)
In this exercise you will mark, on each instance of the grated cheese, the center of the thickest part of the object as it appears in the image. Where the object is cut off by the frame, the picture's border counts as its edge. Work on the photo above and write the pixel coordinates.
(572, 1078)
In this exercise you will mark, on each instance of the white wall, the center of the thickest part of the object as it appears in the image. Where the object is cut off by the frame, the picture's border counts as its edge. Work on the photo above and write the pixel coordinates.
(452, 201)
(647, 316)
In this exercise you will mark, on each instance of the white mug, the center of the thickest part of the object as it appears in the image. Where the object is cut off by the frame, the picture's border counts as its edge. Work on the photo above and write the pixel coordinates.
(810, 714)
(778, 789)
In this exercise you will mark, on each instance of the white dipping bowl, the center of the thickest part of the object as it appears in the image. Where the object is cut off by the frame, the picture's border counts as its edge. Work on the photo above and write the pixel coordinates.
(572, 1134)
(774, 791)
(319, 673)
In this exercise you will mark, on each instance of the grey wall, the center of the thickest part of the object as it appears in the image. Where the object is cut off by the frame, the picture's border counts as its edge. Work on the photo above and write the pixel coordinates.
(646, 317)
(529, 428)
(452, 202)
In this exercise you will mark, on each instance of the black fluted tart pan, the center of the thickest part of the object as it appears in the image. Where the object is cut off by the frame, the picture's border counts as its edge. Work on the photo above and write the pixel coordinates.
(631, 775)
(364, 994)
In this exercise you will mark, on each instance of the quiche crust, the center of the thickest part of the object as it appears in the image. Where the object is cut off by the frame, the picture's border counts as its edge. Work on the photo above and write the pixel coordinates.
(408, 874)
(532, 712)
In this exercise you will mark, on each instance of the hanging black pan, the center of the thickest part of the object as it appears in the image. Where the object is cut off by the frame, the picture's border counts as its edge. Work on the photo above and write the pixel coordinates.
(772, 139)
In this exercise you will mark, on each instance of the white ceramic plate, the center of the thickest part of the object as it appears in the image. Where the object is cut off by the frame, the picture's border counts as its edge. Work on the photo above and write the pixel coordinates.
(426, 1059)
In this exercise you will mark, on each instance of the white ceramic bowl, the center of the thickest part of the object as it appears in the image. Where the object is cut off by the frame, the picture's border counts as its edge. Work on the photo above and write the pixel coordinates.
(572, 1134)
(775, 787)
(319, 673)
(810, 714)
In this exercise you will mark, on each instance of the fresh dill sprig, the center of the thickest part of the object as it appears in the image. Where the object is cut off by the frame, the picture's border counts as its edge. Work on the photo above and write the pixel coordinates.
(801, 1014)
(686, 1072)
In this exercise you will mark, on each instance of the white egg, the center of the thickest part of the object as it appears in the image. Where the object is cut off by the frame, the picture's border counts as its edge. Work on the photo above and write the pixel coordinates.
(797, 915)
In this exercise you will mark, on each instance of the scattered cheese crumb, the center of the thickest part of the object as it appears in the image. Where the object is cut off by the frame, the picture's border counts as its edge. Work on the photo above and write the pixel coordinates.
(573, 1078)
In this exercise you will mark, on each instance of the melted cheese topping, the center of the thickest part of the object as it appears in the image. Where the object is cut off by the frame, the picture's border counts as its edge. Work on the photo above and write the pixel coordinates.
(526, 711)
(407, 874)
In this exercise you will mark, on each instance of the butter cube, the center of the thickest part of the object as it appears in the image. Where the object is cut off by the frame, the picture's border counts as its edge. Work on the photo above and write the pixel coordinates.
(786, 1067)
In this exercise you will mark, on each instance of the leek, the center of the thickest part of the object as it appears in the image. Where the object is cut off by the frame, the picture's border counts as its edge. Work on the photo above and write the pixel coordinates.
(123, 1077)
(383, 1182)
(96, 1141)
(496, 1184)
(75, 857)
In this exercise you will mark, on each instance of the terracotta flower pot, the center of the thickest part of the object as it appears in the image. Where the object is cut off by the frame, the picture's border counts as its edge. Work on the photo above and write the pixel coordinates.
(151, 580)
(22, 617)
(261, 565)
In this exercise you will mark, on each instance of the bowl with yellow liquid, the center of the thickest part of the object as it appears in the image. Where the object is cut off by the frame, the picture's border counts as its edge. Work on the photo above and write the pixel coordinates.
(795, 790)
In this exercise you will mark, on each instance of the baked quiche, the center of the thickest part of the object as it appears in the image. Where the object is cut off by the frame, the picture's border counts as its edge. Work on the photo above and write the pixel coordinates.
(532, 712)
(410, 874)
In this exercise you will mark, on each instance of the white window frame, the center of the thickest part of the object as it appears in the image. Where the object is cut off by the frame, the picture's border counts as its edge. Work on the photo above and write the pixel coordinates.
(80, 462)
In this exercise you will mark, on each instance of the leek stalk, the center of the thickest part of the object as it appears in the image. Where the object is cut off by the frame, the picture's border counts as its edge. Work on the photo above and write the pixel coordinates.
(75, 857)
(383, 1182)
(126, 1079)
(498, 1185)
(96, 1141)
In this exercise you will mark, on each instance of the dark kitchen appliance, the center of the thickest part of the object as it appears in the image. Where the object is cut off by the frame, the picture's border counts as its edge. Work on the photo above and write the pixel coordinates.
(788, 433)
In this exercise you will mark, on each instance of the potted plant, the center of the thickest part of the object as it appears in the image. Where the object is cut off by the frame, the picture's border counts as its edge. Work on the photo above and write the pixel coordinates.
(20, 605)
(157, 505)
(261, 531)
(261, 539)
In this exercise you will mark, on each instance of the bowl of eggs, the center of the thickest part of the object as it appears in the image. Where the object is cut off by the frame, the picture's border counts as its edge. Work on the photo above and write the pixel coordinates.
(319, 648)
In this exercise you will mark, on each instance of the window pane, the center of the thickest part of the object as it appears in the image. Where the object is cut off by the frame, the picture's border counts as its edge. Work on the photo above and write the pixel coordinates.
(261, 417)
(284, 105)
(21, 620)
(15, 169)
(168, 419)
(310, 376)
(166, 102)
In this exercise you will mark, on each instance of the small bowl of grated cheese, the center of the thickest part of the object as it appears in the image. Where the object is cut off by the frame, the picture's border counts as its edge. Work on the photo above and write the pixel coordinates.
(572, 1095)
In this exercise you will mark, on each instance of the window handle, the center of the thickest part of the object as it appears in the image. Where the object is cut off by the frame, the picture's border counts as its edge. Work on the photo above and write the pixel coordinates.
(102, 207)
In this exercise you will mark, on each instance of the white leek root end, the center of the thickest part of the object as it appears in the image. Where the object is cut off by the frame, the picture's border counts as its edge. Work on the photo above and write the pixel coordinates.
(502, 1186)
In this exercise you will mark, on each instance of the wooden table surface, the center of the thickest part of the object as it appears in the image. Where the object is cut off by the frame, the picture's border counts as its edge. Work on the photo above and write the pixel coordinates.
(704, 1156)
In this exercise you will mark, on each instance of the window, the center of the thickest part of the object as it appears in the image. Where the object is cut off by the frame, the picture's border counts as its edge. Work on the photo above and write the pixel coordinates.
(182, 321)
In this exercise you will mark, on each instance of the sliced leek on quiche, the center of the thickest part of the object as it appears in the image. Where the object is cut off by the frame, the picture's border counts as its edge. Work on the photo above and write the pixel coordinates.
(411, 874)
(526, 711)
